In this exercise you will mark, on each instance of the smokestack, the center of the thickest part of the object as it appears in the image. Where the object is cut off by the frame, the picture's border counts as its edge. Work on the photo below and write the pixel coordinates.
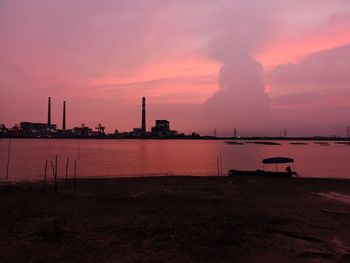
(64, 116)
(49, 114)
(143, 125)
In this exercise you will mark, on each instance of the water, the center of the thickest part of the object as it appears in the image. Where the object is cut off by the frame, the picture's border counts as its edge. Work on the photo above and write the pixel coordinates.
(108, 158)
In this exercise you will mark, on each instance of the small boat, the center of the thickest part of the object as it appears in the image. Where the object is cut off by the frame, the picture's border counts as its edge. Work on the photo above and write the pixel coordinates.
(275, 160)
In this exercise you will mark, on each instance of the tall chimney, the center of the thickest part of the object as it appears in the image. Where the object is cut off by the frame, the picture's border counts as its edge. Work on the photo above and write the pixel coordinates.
(143, 125)
(64, 116)
(49, 114)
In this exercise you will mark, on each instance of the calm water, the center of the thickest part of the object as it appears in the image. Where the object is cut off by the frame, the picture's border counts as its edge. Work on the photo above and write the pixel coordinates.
(108, 158)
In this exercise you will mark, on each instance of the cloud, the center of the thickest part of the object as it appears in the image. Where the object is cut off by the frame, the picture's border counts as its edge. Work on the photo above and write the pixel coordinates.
(318, 96)
(109, 53)
(241, 100)
(329, 69)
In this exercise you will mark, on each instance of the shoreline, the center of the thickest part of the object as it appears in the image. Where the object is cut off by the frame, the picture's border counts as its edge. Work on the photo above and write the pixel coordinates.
(61, 180)
(205, 138)
(176, 219)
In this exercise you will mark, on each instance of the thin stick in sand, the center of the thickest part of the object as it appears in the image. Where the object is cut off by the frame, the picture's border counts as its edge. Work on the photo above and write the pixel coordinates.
(53, 170)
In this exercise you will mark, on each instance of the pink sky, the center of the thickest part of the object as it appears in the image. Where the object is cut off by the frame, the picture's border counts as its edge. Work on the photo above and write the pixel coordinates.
(257, 66)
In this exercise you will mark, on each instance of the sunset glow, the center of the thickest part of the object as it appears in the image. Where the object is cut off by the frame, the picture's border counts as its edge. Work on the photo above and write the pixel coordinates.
(103, 56)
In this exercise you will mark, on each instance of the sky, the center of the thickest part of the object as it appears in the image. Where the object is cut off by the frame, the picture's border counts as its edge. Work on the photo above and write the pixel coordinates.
(257, 66)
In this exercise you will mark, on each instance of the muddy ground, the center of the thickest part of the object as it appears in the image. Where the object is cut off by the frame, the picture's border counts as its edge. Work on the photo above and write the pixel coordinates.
(176, 219)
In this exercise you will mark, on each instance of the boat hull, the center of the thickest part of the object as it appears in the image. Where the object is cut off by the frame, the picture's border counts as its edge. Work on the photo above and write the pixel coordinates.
(260, 173)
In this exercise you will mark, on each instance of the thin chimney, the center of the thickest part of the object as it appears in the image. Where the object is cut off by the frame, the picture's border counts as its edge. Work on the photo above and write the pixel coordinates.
(49, 113)
(64, 116)
(143, 125)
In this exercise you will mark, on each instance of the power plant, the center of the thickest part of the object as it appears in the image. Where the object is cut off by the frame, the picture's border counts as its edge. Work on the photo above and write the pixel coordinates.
(143, 124)
(49, 114)
(49, 130)
(64, 116)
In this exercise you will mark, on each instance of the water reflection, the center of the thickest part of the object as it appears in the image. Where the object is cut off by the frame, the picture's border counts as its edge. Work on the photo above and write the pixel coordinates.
(164, 157)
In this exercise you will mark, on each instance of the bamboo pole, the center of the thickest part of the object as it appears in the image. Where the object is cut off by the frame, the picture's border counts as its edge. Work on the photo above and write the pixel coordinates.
(8, 159)
(53, 169)
(67, 172)
(54, 175)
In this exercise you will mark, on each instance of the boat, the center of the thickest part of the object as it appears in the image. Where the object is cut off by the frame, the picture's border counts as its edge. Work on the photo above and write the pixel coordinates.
(275, 160)
(260, 173)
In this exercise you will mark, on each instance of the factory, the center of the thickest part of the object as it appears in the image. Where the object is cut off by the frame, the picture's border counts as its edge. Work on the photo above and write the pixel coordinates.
(50, 130)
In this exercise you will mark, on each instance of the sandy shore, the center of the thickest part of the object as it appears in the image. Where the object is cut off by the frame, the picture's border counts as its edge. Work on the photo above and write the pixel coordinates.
(177, 219)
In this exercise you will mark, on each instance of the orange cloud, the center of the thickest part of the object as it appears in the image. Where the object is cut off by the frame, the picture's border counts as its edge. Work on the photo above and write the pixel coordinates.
(189, 79)
(335, 33)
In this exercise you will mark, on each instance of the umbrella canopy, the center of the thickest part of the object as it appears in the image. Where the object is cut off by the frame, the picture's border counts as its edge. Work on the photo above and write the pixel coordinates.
(278, 160)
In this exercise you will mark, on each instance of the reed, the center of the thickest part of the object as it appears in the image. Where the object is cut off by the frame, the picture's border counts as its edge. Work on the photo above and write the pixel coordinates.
(8, 159)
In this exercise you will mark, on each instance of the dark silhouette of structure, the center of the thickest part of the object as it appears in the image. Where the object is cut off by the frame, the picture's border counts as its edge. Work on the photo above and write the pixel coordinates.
(143, 124)
(35, 129)
(50, 130)
(82, 131)
(235, 133)
(64, 116)
(49, 114)
(162, 129)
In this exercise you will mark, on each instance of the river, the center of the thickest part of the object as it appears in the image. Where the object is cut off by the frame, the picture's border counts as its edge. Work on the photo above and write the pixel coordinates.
(113, 158)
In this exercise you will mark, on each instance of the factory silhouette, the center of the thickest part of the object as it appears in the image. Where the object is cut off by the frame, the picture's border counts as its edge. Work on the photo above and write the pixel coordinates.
(50, 130)
(161, 130)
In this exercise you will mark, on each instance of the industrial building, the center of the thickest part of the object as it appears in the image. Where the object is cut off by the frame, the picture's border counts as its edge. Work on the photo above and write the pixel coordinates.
(162, 129)
(50, 130)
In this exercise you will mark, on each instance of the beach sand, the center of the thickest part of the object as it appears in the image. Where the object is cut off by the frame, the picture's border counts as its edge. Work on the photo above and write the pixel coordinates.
(177, 219)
